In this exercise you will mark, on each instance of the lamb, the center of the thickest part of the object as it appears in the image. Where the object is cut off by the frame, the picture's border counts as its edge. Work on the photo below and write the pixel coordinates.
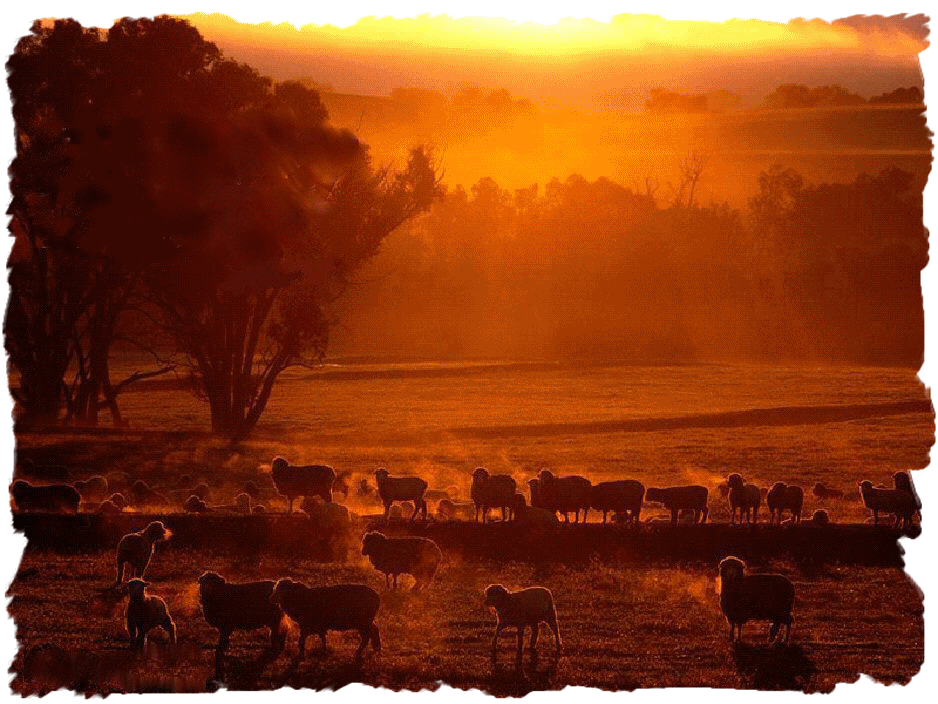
(520, 609)
(137, 549)
(317, 610)
(492, 491)
(564, 494)
(824, 492)
(903, 481)
(745, 497)
(783, 497)
(144, 613)
(92, 489)
(229, 606)
(392, 489)
(419, 557)
(44, 472)
(895, 501)
(311, 480)
(762, 597)
(52, 498)
(533, 515)
(682, 498)
(623, 497)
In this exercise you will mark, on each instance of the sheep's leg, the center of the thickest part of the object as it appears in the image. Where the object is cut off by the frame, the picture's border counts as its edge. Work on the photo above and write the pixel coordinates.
(120, 571)
(387, 511)
(520, 647)
(132, 630)
(277, 638)
(535, 632)
(395, 581)
(787, 632)
(498, 631)
(605, 514)
(302, 644)
(365, 634)
(322, 637)
(387, 580)
(290, 509)
(477, 515)
(416, 508)
(170, 628)
(224, 638)
(375, 638)
(673, 516)
(552, 622)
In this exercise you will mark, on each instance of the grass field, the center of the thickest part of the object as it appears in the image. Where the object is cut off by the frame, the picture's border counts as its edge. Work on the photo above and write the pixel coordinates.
(624, 627)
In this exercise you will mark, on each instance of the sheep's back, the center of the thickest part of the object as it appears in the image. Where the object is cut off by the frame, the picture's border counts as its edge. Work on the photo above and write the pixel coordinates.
(51, 497)
(746, 496)
(402, 488)
(681, 497)
(566, 493)
(406, 554)
(622, 495)
(244, 606)
(758, 596)
(306, 480)
(496, 490)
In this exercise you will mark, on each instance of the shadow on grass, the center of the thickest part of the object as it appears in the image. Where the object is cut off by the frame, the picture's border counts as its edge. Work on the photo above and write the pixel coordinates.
(774, 667)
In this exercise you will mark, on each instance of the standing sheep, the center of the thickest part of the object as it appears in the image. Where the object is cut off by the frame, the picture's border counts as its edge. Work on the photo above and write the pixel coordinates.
(520, 609)
(895, 501)
(624, 497)
(564, 494)
(53, 498)
(392, 489)
(228, 607)
(318, 610)
(903, 481)
(492, 491)
(824, 492)
(310, 480)
(682, 498)
(743, 497)
(757, 597)
(136, 549)
(782, 497)
(144, 613)
(419, 557)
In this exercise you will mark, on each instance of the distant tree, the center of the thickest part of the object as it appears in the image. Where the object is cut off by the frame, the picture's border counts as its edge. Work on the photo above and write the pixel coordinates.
(792, 95)
(900, 96)
(665, 101)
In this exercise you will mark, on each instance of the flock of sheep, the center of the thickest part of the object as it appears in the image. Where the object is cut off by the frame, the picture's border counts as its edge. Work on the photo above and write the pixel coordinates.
(230, 607)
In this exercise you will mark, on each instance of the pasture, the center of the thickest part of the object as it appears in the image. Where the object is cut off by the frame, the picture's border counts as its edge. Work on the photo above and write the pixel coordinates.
(625, 624)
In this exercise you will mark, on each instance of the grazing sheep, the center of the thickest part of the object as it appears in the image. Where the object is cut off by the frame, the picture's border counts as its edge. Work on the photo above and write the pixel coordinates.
(340, 485)
(757, 597)
(92, 489)
(564, 494)
(824, 492)
(317, 610)
(230, 606)
(682, 498)
(898, 502)
(520, 609)
(492, 491)
(745, 497)
(419, 557)
(783, 497)
(310, 480)
(623, 496)
(195, 505)
(43, 472)
(903, 481)
(533, 515)
(137, 549)
(325, 516)
(820, 518)
(52, 498)
(392, 489)
(144, 613)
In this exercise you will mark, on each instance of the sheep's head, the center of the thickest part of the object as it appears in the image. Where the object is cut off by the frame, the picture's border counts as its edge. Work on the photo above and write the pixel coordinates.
(340, 484)
(866, 485)
(495, 595)
(279, 464)
(258, 508)
(902, 480)
(210, 581)
(779, 486)
(371, 541)
(820, 518)
(156, 531)
(202, 491)
(734, 481)
(731, 568)
(118, 500)
(250, 488)
(281, 588)
(19, 486)
(194, 503)
(137, 588)
(480, 474)
(545, 474)
(381, 474)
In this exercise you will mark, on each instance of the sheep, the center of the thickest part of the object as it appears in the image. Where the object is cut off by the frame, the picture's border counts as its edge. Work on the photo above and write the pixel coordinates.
(392, 489)
(824, 492)
(783, 497)
(896, 501)
(340, 485)
(43, 472)
(146, 612)
(364, 489)
(745, 497)
(92, 489)
(419, 557)
(520, 609)
(624, 496)
(118, 500)
(724, 489)
(820, 518)
(195, 505)
(258, 508)
(492, 491)
(201, 490)
(119, 481)
(230, 606)
(325, 516)
(311, 480)
(682, 498)
(251, 489)
(108, 508)
(317, 610)
(448, 510)
(143, 495)
(903, 481)
(137, 549)
(564, 494)
(53, 498)
(242, 503)
(762, 597)
(533, 515)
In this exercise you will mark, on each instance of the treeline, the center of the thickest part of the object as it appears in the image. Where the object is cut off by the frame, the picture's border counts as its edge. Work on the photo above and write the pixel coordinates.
(785, 97)
(593, 269)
